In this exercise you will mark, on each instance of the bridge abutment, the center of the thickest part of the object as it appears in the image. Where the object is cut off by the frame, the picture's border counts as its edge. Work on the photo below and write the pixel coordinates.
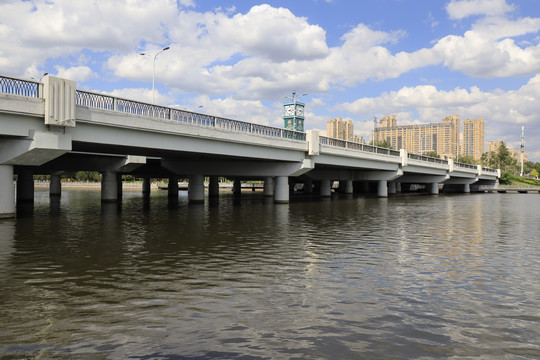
(7, 192)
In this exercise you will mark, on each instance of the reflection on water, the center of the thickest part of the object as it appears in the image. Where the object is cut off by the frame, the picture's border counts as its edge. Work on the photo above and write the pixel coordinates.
(403, 277)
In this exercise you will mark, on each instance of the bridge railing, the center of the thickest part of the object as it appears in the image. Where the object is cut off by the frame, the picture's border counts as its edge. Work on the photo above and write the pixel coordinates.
(427, 158)
(465, 166)
(489, 170)
(323, 140)
(15, 86)
(107, 102)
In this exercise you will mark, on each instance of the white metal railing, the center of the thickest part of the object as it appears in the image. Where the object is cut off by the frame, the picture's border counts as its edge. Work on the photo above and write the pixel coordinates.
(15, 86)
(324, 140)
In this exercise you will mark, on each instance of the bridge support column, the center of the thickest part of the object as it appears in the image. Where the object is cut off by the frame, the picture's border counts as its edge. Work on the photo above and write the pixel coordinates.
(348, 187)
(281, 190)
(392, 189)
(119, 188)
(268, 186)
(55, 186)
(237, 187)
(382, 188)
(172, 190)
(7, 192)
(434, 188)
(466, 188)
(196, 189)
(146, 182)
(109, 186)
(326, 188)
(213, 187)
(25, 186)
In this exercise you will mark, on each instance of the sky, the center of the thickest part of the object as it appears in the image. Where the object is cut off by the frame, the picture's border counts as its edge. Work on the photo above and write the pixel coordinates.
(421, 60)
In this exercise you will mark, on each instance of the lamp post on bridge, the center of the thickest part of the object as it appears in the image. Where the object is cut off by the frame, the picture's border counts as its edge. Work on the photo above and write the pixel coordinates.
(154, 69)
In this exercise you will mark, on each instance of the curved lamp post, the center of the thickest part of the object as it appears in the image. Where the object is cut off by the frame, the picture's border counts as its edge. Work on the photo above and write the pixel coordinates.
(154, 68)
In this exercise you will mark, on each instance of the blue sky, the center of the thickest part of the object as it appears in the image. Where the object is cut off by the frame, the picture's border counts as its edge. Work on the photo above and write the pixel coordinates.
(421, 60)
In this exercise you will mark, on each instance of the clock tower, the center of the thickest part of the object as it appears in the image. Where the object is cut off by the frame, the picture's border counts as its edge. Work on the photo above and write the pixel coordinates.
(293, 114)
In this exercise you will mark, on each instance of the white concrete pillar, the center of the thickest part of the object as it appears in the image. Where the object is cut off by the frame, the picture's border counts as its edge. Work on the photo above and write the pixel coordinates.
(308, 187)
(25, 186)
(382, 188)
(268, 186)
(109, 186)
(392, 187)
(172, 189)
(466, 188)
(348, 187)
(434, 188)
(7, 192)
(146, 183)
(196, 189)
(213, 186)
(281, 190)
(326, 188)
(55, 186)
(398, 187)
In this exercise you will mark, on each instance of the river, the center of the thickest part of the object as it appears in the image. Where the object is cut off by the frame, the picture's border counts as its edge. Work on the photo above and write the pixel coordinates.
(407, 277)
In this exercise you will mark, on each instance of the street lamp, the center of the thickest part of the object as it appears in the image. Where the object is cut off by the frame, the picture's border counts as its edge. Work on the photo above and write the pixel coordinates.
(154, 68)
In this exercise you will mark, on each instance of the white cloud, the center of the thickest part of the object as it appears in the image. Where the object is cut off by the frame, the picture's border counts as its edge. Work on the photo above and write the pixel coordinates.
(77, 73)
(504, 112)
(460, 9)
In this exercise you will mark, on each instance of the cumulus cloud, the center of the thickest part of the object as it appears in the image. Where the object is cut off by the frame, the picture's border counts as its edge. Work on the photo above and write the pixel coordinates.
(504, 112)
(77, 73)
(460, 9)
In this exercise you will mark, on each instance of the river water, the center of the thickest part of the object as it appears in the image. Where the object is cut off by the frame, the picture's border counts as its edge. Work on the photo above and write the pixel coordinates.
(408, 277)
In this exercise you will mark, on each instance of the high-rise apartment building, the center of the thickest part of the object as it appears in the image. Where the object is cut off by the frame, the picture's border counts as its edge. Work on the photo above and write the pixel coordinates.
(493, 146)
(473, 138)
(341, 129)
(442, 138)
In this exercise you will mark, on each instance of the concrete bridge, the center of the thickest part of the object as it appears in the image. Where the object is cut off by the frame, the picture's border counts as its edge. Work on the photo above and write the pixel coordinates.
(52, 128)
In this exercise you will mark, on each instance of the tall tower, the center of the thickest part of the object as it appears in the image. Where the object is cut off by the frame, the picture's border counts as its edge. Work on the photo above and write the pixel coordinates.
(293, 113)
(522, 148)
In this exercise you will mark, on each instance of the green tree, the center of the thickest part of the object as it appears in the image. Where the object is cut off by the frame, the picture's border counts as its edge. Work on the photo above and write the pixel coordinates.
(383, 144)
(535, 173)
(432, 154)
(467, 159)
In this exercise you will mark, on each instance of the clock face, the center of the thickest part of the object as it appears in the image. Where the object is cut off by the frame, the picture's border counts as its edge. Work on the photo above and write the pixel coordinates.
(299, 111)
(289, 110)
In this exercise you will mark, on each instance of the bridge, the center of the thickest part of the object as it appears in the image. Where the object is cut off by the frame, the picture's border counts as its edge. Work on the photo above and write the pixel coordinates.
(52, 128)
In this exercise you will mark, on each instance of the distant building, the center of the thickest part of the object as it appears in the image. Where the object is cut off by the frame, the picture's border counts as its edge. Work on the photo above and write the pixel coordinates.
(473, 138)
(493, 146)
(342, 129)
(442, 138)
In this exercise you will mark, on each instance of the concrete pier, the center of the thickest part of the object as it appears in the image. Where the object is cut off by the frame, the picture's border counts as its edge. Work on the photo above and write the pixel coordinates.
(7, 192)
(281, 190)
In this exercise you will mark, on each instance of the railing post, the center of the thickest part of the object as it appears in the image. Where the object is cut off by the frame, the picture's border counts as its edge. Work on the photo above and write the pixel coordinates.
(404, 157)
